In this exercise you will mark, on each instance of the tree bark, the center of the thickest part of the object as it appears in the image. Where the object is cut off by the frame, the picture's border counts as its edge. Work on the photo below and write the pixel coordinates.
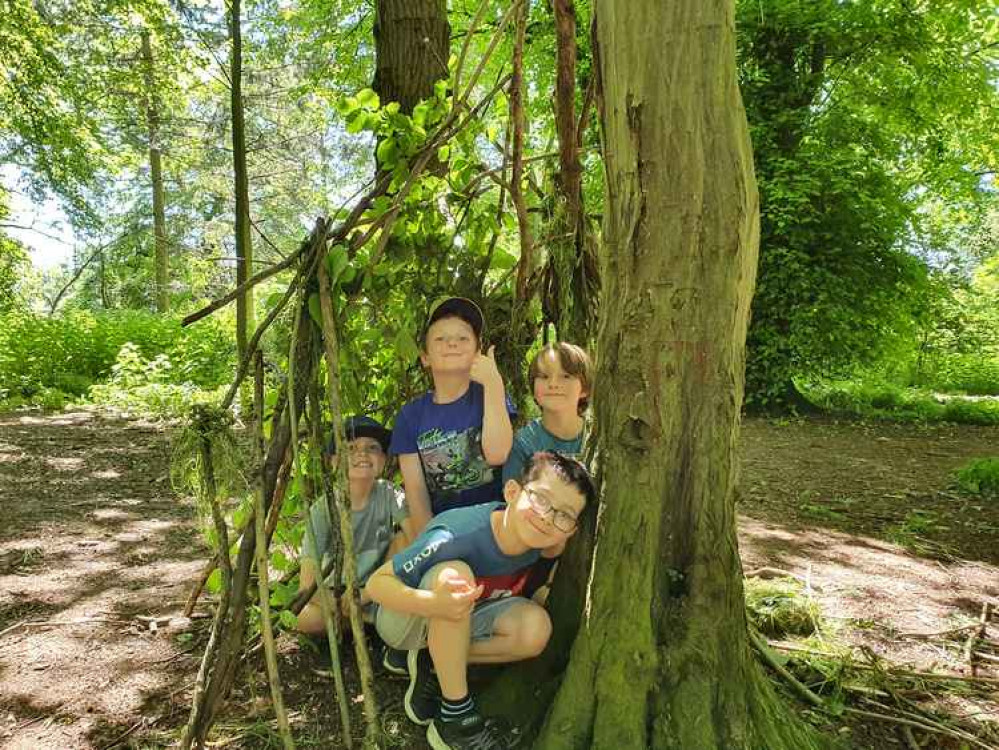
(664, 660)
(156, 175)
(244, 246)
(412, 42)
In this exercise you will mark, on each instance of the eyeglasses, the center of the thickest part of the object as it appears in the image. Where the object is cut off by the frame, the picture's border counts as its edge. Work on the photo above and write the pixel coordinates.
(564, 522)
(357, 449)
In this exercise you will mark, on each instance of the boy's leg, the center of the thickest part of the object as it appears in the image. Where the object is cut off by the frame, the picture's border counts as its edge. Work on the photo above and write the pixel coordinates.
(519, 629)
(449, 640)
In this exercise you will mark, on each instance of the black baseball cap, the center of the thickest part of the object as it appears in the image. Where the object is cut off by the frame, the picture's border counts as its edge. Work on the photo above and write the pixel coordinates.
(456, 307)
(360, 426)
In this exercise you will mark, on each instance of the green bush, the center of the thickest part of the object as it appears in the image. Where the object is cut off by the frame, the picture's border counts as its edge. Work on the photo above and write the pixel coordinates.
(961, 373)
(980, 477)
(71, 352)
(971, 412)
(879, 400)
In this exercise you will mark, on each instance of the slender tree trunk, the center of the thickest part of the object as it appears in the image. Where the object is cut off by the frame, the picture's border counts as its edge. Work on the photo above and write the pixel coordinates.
(571, 280)
(412, 42)
(156, 175)
(663, 659)
(244, 246)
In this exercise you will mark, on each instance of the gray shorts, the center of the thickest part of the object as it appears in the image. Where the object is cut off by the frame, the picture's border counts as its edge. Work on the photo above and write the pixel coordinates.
(406, 631)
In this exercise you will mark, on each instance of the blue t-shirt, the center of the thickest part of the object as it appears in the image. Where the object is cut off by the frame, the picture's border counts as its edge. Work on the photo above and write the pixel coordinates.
(466, 534)
(532, 438)
(448, 438)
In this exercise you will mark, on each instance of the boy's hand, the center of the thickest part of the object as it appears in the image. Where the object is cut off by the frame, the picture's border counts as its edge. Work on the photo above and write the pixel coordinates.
(455, 598)
(484, 370)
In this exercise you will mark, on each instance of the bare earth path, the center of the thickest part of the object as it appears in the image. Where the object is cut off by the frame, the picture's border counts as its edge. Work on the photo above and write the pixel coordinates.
(93, 543)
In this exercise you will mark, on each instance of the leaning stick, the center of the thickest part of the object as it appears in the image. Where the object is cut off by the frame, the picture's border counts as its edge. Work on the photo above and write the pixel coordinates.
(272, 520)
(263, 572)
(331, 351)
(326, 605)
(222, 613)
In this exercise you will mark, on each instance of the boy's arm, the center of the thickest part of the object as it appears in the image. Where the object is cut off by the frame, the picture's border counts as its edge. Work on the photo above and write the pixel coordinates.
(417, 495)
(451, 598)
(497, 432)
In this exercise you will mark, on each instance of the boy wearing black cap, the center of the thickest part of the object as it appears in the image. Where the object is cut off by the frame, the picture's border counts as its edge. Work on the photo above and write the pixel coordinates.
(378, 515)
(451, 440)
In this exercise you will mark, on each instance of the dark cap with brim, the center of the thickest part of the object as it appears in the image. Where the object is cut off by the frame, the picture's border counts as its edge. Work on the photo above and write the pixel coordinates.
(457, 307)
(361, 426)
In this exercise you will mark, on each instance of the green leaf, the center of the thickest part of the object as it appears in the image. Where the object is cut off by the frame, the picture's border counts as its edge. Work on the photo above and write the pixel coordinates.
(392, 108)
(315, 311)
(443, 153)
(336, 261)
(356, 122)
(368, 99)
(288, 619)
(420, 114)
(214, 583)
(502, 260)
(387, 153)
(405, 344)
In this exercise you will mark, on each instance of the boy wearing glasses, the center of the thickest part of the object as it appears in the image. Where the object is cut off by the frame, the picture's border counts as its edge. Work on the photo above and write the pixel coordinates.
(459, 595)
(378, 516)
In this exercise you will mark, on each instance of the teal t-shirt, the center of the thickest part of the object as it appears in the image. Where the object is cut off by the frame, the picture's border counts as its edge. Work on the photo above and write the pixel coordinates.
(532, 438)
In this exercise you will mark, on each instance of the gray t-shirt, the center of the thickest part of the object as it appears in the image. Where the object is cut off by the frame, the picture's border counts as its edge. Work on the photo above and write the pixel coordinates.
(373, 526)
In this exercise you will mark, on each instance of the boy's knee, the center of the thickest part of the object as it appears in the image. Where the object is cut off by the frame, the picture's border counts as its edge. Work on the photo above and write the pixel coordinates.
(533, 631)
(451, 571)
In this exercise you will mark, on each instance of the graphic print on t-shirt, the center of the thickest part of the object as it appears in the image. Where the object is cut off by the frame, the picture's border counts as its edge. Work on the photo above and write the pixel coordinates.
(453, 460)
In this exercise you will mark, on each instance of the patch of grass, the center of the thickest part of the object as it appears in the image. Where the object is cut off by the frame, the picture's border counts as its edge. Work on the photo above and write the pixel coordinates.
(888, 402)
(780, 607)
(979, 477)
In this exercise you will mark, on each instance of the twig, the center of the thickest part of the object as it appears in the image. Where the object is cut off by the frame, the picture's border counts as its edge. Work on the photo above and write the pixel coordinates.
(977, 635)
(931, 723)
(917, 725)
(117, 740)
(910, 738)
(57, 623)
(476, 20)
(938, 676)
(939, 633)
(771, 660)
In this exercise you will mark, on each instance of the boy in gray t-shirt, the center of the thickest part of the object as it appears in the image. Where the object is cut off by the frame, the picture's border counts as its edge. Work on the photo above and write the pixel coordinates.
(378, 513)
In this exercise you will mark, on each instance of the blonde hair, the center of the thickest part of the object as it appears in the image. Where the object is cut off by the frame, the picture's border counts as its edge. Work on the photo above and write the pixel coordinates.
(574, 360)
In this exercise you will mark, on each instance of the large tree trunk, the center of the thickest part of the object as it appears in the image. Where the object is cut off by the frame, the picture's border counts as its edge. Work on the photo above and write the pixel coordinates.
(244, 246)
(156, 175)
(663, 660)
(412, 40)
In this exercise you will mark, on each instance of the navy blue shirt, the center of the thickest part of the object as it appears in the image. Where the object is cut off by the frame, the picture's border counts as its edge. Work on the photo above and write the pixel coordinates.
(448, 439)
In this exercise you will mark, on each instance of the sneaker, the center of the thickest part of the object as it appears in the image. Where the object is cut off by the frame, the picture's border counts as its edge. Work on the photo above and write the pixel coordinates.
(471, 733)
(395, 661)
(423, 696)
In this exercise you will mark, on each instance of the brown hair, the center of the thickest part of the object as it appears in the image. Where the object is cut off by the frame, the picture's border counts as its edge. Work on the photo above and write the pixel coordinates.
(574, 360)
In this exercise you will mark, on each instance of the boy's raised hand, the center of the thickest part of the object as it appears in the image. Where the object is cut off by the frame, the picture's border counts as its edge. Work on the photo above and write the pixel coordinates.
(484, 370)
(455, 598)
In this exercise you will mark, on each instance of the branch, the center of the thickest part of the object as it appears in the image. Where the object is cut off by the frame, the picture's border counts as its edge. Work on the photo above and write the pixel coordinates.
(248, 284)
(517, 170)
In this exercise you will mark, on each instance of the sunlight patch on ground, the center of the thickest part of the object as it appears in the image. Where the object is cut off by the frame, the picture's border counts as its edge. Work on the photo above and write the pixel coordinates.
(64, 463)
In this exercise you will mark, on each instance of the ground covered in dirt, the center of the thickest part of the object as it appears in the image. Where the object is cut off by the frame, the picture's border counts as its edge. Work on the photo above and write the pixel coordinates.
(97, 554)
